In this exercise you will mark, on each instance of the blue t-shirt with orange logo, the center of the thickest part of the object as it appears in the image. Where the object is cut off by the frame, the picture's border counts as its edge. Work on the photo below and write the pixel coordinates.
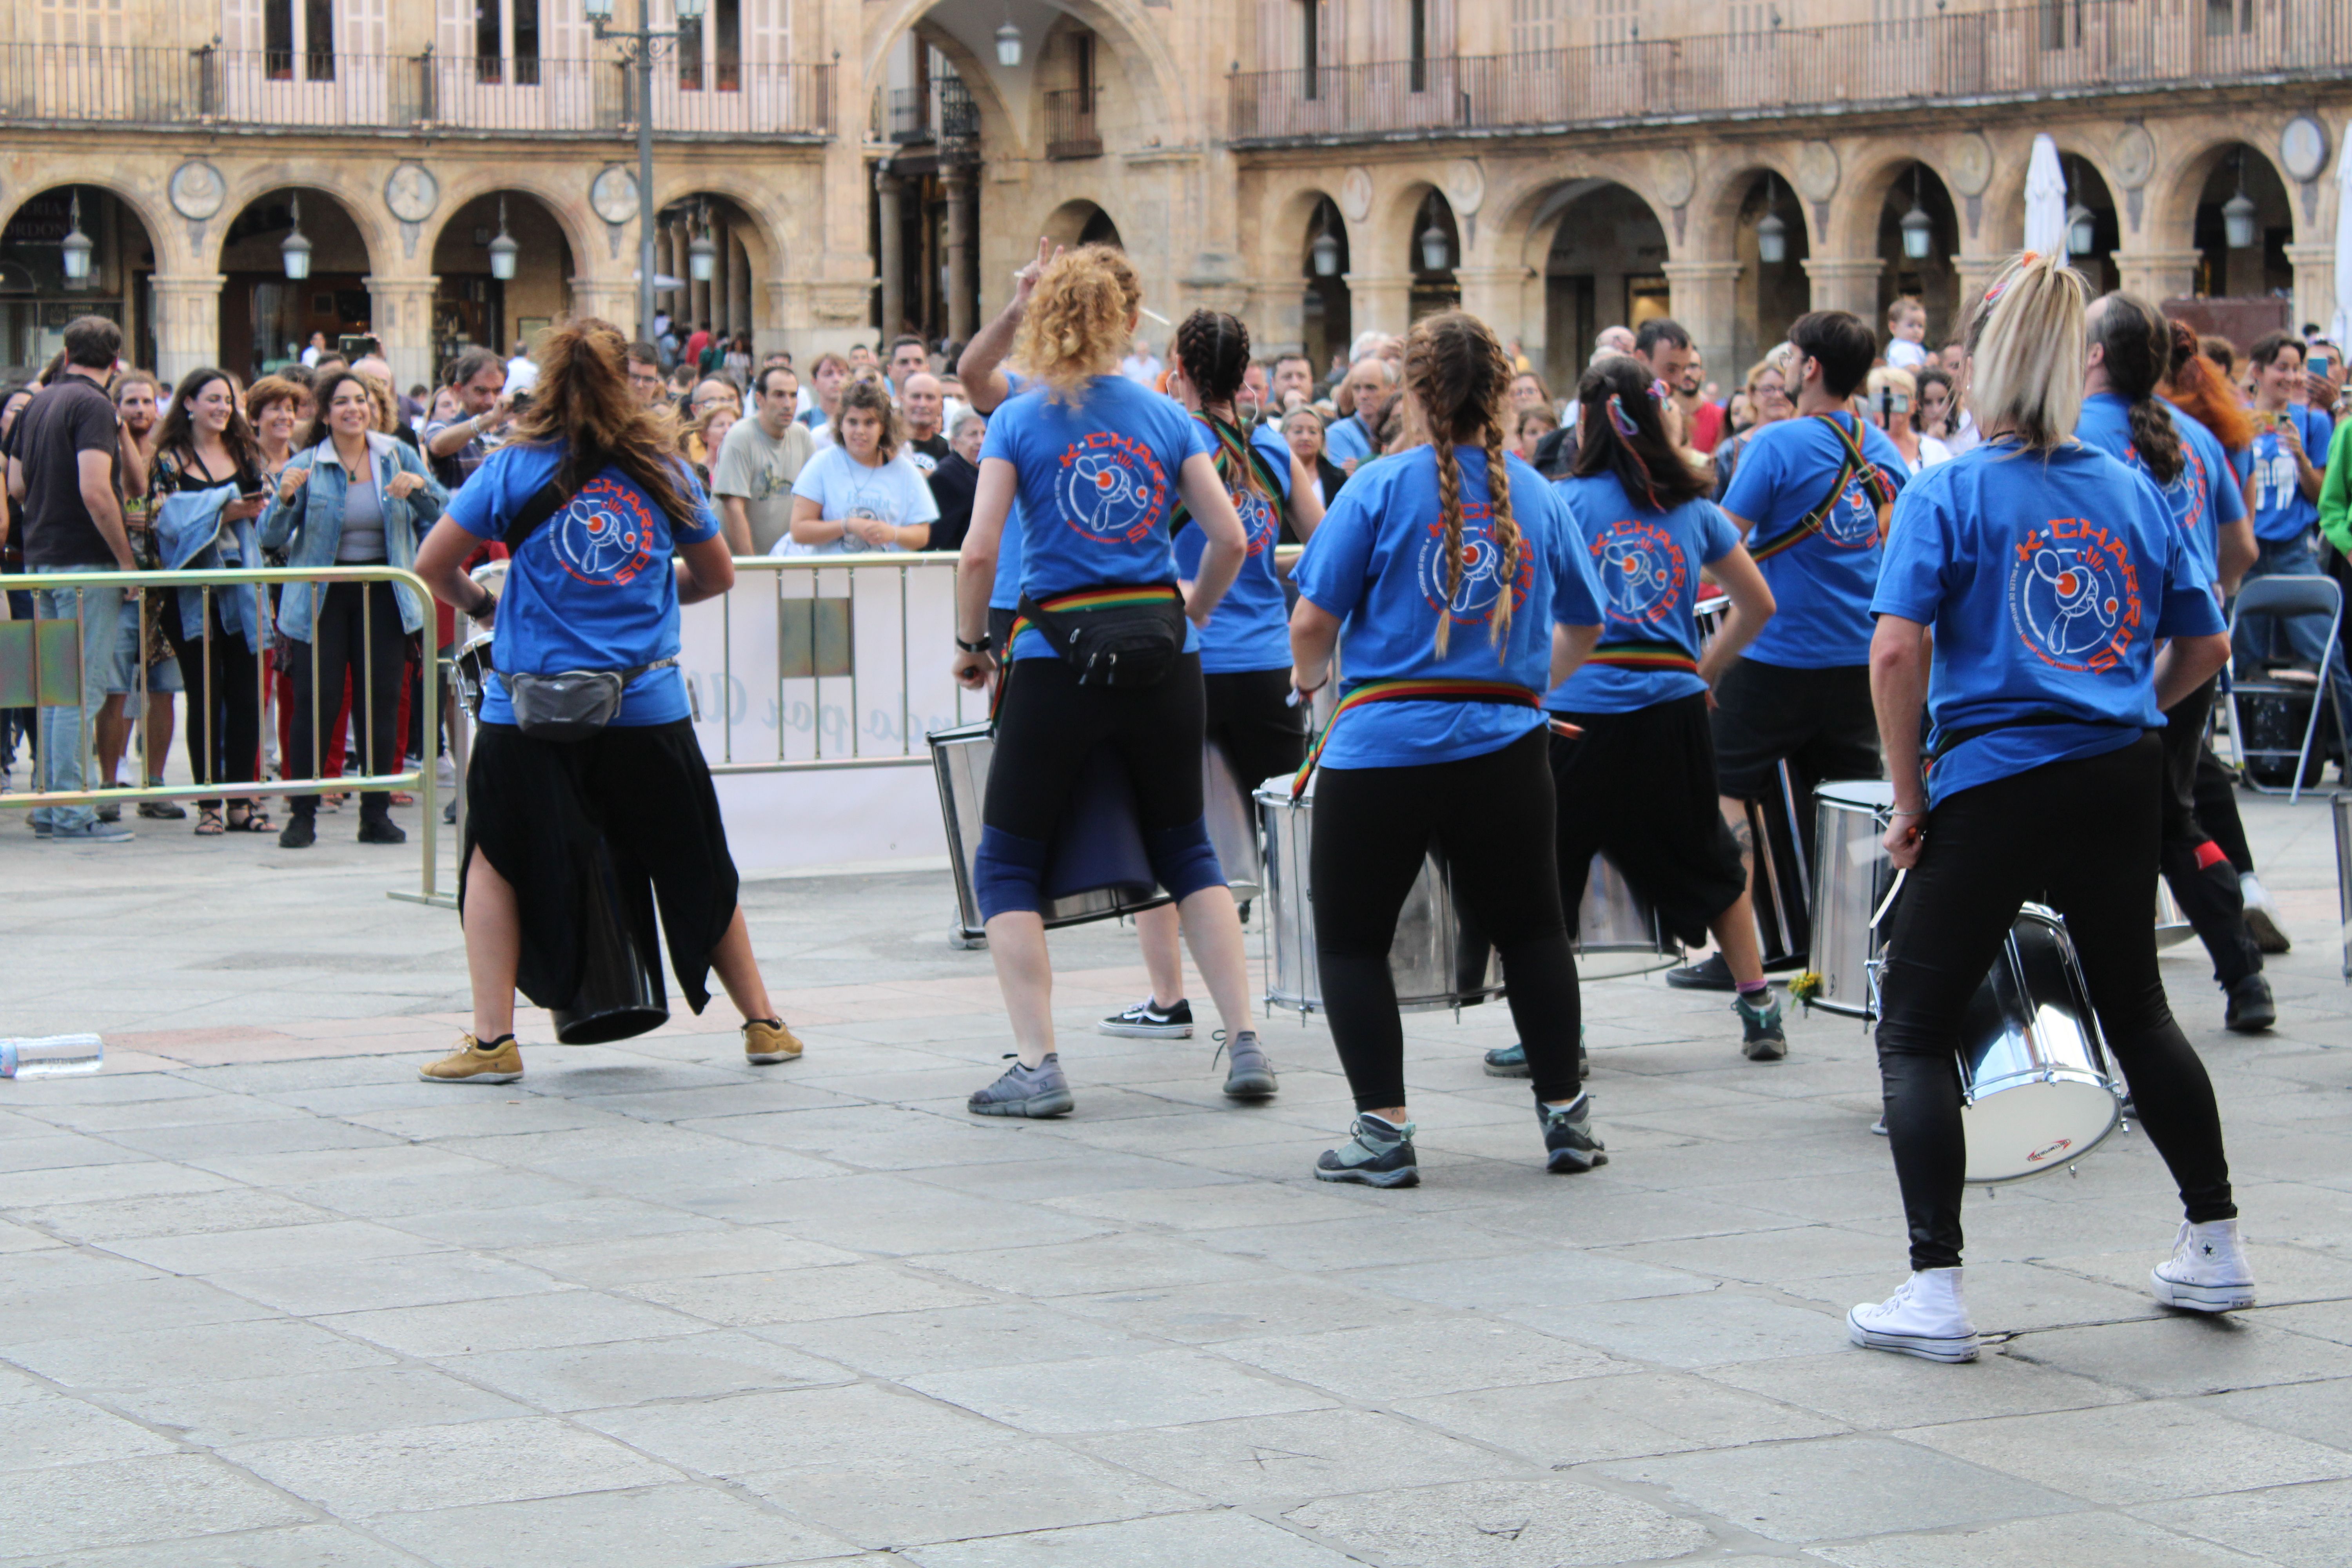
(1251, 627)
(591, 587)
(2203, 497)
(1822, 584)
(1377, 563)
(2048, 580)
(1647, 561)
(1098, 484)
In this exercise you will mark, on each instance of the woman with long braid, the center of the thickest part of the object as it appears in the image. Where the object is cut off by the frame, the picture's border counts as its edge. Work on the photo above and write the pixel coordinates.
(1439, 737)
(1637, 782)
(1245, 647)
(2130, 351)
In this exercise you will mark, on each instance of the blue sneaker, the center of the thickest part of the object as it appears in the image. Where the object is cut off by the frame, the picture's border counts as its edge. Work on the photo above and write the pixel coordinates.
(1568, 1144)
(1379, 1154)
(1511, 1060)
(94, 831)
(1037, 1091)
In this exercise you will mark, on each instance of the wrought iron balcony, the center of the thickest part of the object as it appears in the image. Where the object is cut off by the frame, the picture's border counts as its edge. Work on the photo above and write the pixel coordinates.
(1070, 128)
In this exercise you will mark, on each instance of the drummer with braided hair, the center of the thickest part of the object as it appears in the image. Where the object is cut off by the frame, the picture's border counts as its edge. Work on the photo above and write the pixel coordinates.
(1638, 782)
(2049, 577)
(1456, 581)
(2131, 352)
(1245, 646)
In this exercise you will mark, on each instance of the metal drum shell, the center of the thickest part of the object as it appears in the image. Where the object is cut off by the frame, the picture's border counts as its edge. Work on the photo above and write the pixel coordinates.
(1232, 816)
(1435, 965)
(2036, 1091)
(471, 671)
(1852, 876)
(1616, 933)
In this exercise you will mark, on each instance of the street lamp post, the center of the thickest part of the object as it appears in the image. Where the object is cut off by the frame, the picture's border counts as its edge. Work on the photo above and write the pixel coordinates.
(640, 46)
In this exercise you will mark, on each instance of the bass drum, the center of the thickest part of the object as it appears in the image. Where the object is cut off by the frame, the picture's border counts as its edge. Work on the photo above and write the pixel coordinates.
(2037, 1092)
(1436, 961)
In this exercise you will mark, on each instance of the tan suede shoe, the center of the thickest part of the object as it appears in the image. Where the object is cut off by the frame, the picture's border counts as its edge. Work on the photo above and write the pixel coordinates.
(765, 1042)
(473, 1062)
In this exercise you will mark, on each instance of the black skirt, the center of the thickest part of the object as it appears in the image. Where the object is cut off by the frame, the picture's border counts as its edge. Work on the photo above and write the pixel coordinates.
(536, 810)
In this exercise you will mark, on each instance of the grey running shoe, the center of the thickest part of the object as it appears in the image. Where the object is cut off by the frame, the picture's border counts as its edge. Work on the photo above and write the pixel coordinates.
(1762, 1039)
(1148, 1021)
(1248, 1074)
(1511, 1060)
(1568, 1143)
(1040, 1090)
(1377, 1154)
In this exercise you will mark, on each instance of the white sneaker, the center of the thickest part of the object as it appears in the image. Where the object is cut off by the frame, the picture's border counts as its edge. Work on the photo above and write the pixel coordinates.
(1925, 1318)
(2264, 923)
(2207, 1271)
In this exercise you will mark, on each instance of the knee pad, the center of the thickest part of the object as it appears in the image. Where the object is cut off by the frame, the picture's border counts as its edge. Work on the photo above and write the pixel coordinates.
(1007, 874)
(1184, 858)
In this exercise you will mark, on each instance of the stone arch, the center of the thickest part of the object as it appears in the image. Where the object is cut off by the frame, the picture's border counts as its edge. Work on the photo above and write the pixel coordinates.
(262, 315)
(1572, 289)
(2178, 186)
(762, 229)
(563, 191)
(1320, 314)
(1124, 24)
(1080, 221)
(1763, 297)
(1726, 190)
(166, 230)
(363, 208)
(471, 307)
(126, 251)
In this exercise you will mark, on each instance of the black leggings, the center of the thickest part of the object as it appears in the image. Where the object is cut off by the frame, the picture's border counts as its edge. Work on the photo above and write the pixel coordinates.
(375, 650)
(1491, 817)
(2081, 836)
(223, 680)
(2203, 881)
(2217, 810)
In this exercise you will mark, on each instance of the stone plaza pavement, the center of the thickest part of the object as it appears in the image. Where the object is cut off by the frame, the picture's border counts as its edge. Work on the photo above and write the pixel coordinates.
(266, 1300)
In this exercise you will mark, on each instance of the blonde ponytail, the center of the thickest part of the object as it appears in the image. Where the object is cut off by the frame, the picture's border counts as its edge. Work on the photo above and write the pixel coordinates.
(2026, 345)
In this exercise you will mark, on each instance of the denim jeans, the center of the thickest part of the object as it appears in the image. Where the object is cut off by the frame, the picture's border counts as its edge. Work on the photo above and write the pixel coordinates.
(2302, 637)
(67, 732)
(16, 721)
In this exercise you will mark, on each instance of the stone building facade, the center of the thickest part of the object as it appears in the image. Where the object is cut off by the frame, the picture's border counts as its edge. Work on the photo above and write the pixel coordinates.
(1320, 167)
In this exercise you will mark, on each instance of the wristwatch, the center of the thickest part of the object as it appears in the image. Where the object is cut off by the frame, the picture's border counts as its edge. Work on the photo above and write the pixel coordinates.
(982, 645)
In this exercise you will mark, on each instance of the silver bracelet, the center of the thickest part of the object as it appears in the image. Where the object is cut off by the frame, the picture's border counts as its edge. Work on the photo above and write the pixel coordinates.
(1898, 811)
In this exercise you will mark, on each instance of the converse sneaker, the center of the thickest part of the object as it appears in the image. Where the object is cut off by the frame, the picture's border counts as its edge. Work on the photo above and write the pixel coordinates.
(2249, 1009)
(500, 1061)
(1037, 1091)
(1511, 1060)
(1568, 1143)
(1147, 1020)
(2207, 1271)
(2263, 922)
(1761, 1039)
(1248, 1074)
(1378, 1152)
(1925, 1318)
(766, 1041)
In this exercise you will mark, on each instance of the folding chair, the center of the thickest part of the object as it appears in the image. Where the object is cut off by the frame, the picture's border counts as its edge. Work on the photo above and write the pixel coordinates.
(2284, 596)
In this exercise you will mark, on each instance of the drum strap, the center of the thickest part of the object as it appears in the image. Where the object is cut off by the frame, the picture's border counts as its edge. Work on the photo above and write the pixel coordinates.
(1946, 744)
(1650, 656)
(1435, 689)
(1882, 494)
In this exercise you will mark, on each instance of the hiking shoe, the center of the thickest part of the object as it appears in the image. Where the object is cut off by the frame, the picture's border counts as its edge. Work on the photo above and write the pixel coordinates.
(162, 810)
(2207, 1271)
(1249, 1073)
(766, 1040)
(1709, 973)
(1761, 1039)
(110, 813)
(1925, 1318)
(474, 1062)
(1378, 1152)
(1148, 1021)
(1511, 1060)
(2251, 1009)
(1040, 1090)
(96, 830)
(1568, 1143)
(2263, 922)
(301, 831)
(382, 830)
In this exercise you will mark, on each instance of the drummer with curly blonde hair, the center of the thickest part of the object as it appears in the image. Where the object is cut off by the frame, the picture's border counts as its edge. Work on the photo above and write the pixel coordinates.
(2037, 579)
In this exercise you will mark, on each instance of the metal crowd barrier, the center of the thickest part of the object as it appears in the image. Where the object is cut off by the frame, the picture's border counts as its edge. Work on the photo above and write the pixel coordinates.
(42, 667)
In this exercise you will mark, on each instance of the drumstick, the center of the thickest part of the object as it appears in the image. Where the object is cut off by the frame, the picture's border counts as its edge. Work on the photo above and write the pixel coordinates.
(1891, 894)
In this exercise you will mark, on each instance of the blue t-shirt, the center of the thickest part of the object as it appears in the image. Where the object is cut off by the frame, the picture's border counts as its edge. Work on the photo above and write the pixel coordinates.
(2203, 497)
(1251, 627)
(2282, 512)
(1347, 438)
(591, 587)
(1822, 585)
(1004, 594)
(1377, 563)
(1647, 562)
(1099, 478)
(2049, 582)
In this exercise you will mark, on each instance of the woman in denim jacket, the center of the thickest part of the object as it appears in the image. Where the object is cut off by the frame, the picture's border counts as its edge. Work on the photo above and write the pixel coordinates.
(351, 497)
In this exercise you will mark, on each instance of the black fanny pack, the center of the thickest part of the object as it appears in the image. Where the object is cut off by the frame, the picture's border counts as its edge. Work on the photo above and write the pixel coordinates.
(1114, 635)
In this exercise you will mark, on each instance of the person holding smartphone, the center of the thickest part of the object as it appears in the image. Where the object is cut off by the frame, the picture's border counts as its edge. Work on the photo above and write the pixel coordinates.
(2290, 448)
(1889, 397)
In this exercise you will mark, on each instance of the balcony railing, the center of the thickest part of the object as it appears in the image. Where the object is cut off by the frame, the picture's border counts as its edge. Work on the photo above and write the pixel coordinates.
(1070, 128)
(2061, 46)
(446, 95)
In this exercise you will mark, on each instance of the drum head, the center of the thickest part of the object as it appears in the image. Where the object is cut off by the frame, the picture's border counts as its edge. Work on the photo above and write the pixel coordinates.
(1863, 794)
(2035, 1128)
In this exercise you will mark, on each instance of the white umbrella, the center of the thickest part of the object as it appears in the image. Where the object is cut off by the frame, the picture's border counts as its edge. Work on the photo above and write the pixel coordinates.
(2045, 201)
(663, 282)
(2340, 328)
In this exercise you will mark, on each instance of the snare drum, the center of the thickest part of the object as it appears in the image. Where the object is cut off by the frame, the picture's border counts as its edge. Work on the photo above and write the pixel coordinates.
(1096, 869)
(1616, 934)
(472, 669)
(1233, 824)
(1852, 876)
(2033, 1070)
(1783, 898)
(2172, 927)
(2340, 807)
(1436, 963)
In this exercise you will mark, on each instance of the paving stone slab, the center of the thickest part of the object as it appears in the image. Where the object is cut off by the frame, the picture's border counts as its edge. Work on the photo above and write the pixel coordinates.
(510, 1323)
(1393, 1361)
(121, 1503)
(259, 1347)
(2296, 1527)
(630, 1372)
(328, 1245)
(214, 1414)
(1114, 1393)
(2078, 1540)
(1273, 1461)
(46, 1430)
(1884, 1391)
(800, 1295)
(1500, 1523)
(2187, 1354)
(2125, 1454)
(674, 1526)
(1639, 1412)
(400, 1469)
(1183, 1541)
(955, 1339)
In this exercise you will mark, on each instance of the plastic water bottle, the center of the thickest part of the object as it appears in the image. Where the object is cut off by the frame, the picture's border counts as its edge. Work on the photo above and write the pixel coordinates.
(53, 1055)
